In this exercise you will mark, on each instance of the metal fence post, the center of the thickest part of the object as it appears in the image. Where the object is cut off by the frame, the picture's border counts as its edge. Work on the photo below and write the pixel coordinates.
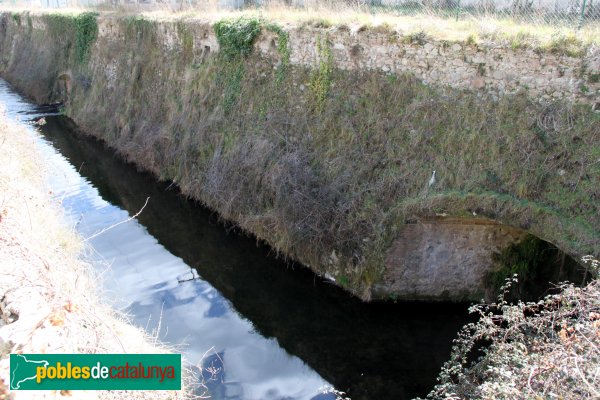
(458, 9)
(582, 15)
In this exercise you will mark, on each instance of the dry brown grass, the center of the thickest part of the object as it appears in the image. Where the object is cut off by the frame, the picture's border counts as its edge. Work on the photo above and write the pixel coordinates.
(49, 298)
(358, 16)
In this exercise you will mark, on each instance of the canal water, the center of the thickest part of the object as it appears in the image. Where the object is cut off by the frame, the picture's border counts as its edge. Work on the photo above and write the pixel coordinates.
(254, 326)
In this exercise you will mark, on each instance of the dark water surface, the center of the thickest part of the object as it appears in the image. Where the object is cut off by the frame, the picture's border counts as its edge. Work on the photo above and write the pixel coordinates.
(272, 330)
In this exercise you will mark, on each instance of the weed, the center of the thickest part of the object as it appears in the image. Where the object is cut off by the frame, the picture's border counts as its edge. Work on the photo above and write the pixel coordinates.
(187, 41)
(522, 40)
(86, 32)
(481, 69)
(231, 80)
(419, 38)
(140, 29)
(60, 27)
(236, 36)
(584, 88)
(319, 22)
(17, 18)
(282, 48)
(520, 259)
(568, 45)
(321, 76)
(472, 39)
(343, 281)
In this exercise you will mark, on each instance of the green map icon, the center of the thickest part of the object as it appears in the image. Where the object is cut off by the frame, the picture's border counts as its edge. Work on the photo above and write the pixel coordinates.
(23, 369)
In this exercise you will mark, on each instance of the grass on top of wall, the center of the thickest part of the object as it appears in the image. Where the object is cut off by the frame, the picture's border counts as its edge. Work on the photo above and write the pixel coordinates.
(555, 38)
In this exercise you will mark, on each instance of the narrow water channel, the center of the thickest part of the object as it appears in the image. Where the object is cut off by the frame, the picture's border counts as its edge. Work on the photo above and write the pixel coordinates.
(271, 329)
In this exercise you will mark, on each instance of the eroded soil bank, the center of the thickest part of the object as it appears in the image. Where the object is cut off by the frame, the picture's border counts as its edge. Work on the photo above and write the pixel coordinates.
(49, 297)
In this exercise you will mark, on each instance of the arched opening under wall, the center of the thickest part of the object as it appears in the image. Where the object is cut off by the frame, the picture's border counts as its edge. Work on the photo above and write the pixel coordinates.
(468, 259)
(62, 88)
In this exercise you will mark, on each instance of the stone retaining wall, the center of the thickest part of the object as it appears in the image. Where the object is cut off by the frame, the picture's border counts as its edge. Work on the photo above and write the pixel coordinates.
(486, 66)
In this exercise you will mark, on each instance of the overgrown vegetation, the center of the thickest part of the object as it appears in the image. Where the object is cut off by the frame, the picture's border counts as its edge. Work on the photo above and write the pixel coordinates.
(236, 36)
(320, 78)
(60, 27)
(86, 32)
(520, 260)
(534, 263)
(311, 181)
(231, 81)
(567, 44)
(328, 165)
(236, 39)
(77, 32)
(187, 40)
(283, 49)
(17, 18)
(537, 350)
(140, 29)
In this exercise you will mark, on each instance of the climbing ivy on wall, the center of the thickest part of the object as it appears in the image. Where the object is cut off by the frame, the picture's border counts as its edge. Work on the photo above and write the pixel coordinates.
(231, 81)
(86, 32)
(282, 48)
(80, 31)
(236, 39)
(236, 36)
(140, 29)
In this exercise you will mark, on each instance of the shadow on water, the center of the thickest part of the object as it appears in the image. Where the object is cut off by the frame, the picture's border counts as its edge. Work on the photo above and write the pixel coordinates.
(370, 351)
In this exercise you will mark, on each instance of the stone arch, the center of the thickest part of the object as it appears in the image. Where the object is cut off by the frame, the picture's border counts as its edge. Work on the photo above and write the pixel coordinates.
(434, 256)
(445, 258)
(63, 87)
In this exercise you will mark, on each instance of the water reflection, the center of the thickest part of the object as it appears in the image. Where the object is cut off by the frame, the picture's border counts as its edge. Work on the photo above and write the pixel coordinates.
(291, 334)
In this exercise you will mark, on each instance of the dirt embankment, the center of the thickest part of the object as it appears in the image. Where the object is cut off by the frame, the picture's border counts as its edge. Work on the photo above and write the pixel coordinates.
(49, 298)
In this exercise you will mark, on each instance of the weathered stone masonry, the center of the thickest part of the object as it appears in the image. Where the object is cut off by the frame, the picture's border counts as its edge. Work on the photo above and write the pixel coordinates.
(487, 66)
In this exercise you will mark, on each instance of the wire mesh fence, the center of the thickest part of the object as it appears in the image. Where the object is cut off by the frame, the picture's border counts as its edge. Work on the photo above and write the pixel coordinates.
(551, 12)
(573, 13)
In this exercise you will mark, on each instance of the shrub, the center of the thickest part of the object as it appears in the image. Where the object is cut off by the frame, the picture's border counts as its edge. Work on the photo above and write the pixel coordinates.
(544, 349)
